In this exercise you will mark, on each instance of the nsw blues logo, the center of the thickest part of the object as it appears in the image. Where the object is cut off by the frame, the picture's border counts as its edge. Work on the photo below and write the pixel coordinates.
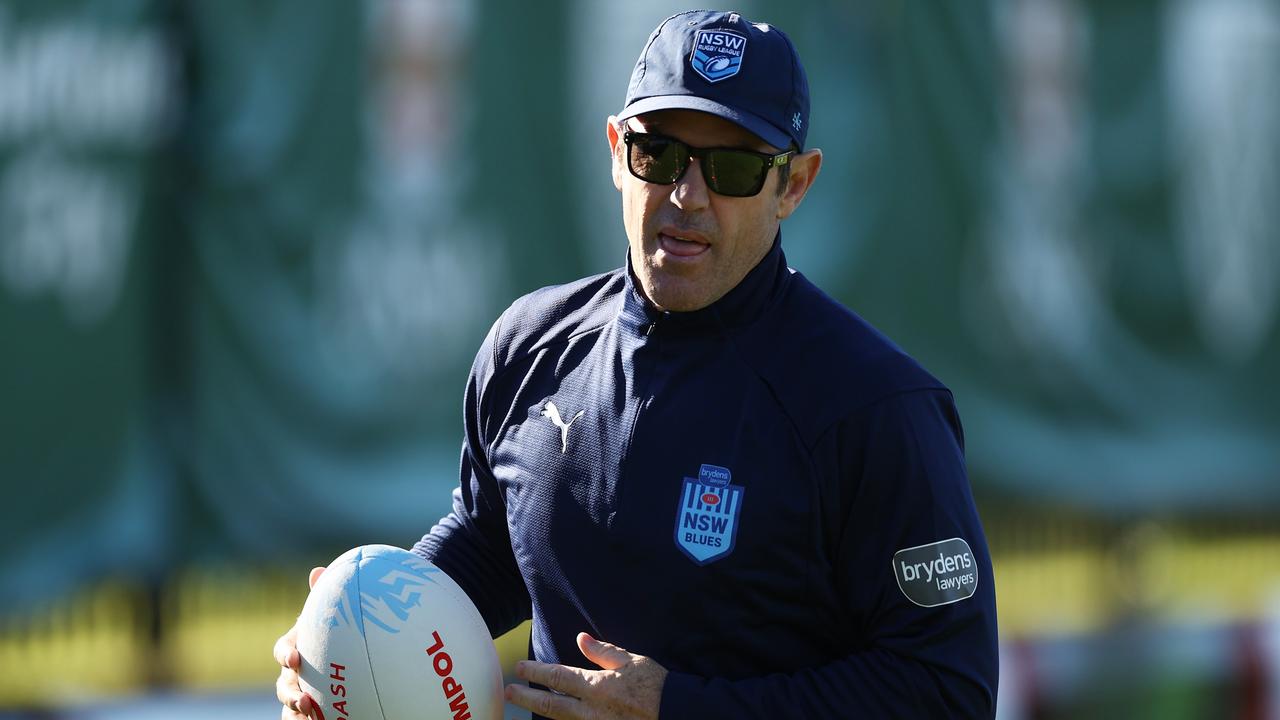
(707, 517)
(717, 54)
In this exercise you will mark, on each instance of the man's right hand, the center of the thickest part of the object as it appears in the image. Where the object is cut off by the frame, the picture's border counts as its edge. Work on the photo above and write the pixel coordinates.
(297, 704)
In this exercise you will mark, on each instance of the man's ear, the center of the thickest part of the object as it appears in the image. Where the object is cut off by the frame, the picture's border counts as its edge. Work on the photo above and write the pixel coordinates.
(804, 170)
(616, 151)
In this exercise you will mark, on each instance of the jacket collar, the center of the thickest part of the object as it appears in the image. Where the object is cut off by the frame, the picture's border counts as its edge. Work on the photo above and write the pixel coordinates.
(741, 306)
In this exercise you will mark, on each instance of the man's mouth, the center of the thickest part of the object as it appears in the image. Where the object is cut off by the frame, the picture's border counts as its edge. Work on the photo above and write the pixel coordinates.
(682, 244)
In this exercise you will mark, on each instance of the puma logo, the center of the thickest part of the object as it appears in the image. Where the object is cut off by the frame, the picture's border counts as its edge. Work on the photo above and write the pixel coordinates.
(550, 411)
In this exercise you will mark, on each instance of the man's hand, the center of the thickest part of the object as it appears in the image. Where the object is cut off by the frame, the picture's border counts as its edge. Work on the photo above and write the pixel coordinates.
(628, 688)
(297, 704)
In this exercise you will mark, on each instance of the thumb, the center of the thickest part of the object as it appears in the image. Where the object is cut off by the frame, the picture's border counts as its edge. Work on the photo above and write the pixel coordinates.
(606, 655)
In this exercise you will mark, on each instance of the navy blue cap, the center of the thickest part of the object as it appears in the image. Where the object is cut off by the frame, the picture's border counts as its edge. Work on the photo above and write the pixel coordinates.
(721, 63)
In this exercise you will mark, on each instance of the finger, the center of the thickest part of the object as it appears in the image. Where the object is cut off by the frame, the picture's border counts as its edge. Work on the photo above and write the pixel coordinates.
(290, 694)
(314, 576)
(306, 706)
(286, 649)
(288, 714)
(546, 704)
(606, 655)
(573, 681)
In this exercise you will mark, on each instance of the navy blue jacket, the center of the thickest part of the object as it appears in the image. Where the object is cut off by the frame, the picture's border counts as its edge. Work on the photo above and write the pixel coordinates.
(766, 496)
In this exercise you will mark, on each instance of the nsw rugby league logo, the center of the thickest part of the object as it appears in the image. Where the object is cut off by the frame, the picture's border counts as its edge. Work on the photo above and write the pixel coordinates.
(707, 516)
(717, 54)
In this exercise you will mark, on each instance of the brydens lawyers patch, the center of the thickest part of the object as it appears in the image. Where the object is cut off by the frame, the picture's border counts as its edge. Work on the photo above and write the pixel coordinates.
(717, 54)
(938, 573)
(707, 516)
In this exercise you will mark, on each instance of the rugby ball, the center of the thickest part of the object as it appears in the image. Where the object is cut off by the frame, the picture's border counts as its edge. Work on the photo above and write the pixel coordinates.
(385, 634)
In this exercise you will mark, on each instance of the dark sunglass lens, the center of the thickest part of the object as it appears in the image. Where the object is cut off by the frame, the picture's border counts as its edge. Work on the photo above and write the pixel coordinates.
(733, 173)
(657, 160)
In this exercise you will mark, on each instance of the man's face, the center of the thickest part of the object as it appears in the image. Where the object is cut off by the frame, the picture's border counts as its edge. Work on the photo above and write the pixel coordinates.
(690, 246)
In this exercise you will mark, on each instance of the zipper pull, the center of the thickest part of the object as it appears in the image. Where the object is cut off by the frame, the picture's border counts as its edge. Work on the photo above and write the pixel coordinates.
(654, 323)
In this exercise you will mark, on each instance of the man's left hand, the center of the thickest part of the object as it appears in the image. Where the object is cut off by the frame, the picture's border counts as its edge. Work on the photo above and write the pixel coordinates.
(629, 687)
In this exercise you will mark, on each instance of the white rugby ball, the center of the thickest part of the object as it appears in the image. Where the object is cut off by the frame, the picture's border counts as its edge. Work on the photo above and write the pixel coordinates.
(385, 634)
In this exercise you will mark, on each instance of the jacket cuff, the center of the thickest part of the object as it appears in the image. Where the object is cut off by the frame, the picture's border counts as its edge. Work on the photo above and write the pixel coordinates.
(684, 696)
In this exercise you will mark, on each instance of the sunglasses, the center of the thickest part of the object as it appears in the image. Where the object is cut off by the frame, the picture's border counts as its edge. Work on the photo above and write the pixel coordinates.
(662, 160)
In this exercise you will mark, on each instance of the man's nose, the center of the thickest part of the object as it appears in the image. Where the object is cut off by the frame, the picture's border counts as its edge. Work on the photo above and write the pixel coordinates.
(690, 192)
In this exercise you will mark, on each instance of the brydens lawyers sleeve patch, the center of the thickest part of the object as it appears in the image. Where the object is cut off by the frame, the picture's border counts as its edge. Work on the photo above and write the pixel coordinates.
(938, 573)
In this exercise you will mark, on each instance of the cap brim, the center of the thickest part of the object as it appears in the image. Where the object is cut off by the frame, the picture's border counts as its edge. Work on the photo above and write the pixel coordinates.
(754, 123)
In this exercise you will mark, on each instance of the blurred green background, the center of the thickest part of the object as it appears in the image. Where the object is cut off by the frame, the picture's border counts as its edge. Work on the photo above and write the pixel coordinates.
(247, 250)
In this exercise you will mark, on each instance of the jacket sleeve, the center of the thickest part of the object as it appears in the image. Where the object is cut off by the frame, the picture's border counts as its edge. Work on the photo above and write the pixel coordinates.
(920, 644)
(472, 544)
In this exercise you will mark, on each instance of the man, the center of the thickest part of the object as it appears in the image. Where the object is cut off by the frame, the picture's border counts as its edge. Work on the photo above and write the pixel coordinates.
(754, 497)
